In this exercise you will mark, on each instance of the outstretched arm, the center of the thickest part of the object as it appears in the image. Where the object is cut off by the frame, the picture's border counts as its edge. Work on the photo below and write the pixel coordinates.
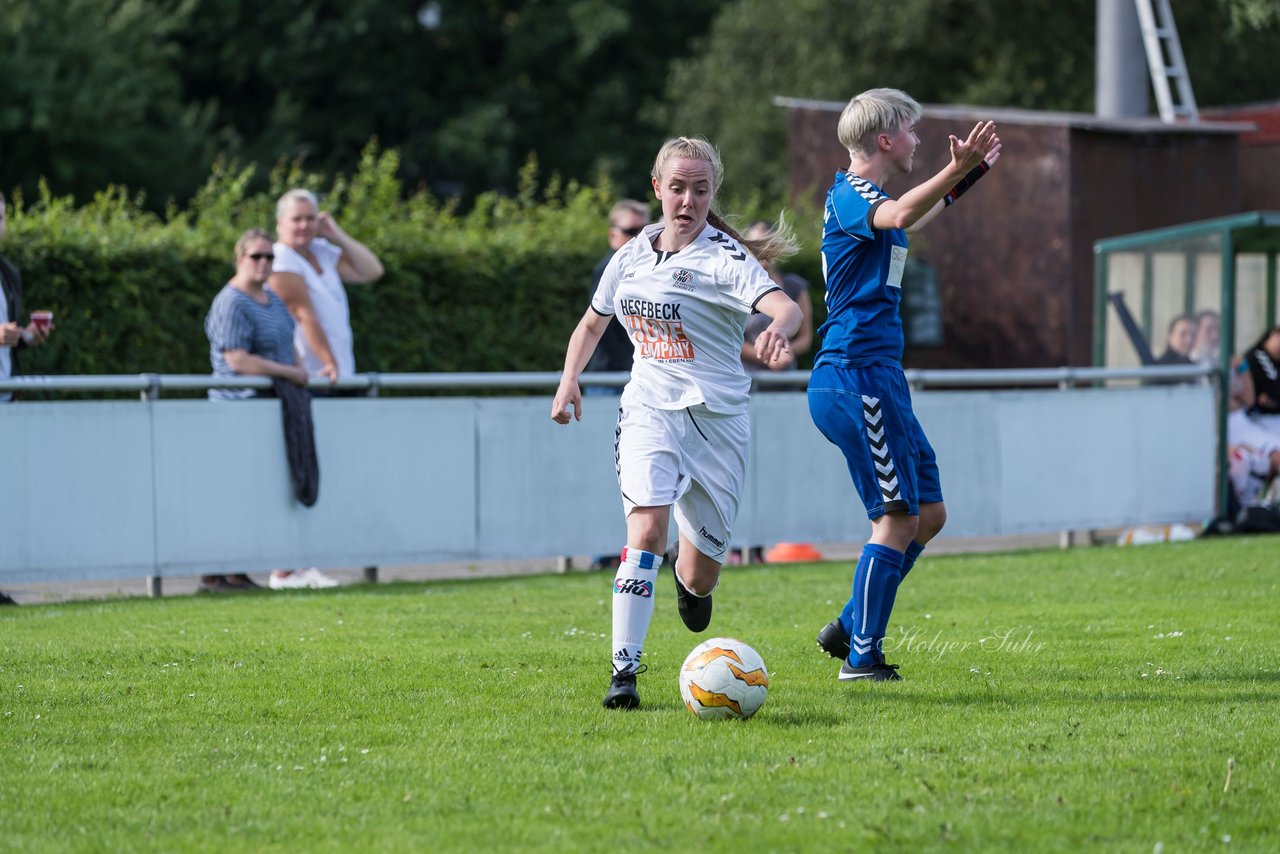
(920, 200)
(581, 345)
(774, 344)
(960, 188)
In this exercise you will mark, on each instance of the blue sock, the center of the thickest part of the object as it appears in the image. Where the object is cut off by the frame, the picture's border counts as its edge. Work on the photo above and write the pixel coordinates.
(909, 559)
(866, 615)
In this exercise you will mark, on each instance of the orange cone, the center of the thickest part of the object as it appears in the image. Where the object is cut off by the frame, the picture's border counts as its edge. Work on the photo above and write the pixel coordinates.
(793, 553)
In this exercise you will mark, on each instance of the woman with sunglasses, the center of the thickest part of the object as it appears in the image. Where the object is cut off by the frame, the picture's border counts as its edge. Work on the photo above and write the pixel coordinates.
(251, 334)
(250, 331)
(626, 220)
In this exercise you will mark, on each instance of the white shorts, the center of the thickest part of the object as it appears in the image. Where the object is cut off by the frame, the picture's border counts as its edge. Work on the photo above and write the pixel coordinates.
(691, 458)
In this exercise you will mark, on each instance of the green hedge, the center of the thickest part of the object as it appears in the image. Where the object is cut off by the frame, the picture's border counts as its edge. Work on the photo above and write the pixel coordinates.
(498, 288)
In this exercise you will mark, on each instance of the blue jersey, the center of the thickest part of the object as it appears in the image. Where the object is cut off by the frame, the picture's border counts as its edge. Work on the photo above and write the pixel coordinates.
(863, 270)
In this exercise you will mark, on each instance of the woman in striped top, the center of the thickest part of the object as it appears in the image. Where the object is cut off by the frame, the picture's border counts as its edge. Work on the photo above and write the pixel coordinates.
(251, 333)
(250, 330)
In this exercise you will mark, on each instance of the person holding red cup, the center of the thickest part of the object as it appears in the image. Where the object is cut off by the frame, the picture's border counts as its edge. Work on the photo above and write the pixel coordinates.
(13, 335)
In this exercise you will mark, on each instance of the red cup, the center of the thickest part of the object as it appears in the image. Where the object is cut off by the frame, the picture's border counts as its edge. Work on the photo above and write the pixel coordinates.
(42, 319)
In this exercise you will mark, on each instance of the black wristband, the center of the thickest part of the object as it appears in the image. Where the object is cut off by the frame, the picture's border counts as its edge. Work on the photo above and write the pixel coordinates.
(966, 182)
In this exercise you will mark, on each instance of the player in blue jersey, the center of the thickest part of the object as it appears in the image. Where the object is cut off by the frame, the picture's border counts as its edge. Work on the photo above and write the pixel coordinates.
(858, 395)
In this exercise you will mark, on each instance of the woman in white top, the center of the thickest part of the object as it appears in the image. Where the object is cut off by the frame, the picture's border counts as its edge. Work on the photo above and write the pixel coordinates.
(313, 259)
(683, 290)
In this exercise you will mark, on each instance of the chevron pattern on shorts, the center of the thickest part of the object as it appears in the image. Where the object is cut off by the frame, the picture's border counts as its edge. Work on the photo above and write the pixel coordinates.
(886, 474)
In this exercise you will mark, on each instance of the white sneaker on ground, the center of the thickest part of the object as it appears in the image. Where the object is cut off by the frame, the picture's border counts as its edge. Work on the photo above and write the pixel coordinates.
(316, 578)
(301, 579)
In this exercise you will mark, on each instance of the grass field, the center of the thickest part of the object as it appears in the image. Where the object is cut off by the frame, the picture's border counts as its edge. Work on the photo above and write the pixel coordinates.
(1051, 701)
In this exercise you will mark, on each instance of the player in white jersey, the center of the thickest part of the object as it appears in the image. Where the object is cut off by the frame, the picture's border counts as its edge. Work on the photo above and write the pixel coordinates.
(683, 290)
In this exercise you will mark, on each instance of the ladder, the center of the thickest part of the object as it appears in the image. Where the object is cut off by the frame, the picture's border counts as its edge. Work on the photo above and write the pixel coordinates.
(1165, 59)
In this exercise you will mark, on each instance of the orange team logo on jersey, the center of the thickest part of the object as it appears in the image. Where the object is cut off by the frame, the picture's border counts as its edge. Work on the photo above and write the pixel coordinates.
(661, 340)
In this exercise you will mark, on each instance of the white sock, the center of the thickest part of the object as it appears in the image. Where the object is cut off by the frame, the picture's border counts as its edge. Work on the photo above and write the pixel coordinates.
(633, 605)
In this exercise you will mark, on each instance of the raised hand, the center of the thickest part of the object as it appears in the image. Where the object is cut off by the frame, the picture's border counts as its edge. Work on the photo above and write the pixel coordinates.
(973, 150)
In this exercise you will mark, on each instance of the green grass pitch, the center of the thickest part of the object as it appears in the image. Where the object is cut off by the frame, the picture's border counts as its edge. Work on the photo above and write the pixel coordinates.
(1085, 699)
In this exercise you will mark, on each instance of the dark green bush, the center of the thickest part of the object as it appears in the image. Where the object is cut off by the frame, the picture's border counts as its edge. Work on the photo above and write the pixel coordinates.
(499, 288)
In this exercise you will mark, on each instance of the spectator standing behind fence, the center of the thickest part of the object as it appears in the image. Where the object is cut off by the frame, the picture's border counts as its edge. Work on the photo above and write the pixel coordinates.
(626, 220)
(13, 336)
(251, 334)
(314, 257)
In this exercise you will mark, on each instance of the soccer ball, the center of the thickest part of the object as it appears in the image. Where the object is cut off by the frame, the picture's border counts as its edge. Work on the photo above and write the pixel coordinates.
(724, 678)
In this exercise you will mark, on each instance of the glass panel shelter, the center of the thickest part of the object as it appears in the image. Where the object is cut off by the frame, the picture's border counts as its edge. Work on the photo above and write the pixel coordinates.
(1217, 270)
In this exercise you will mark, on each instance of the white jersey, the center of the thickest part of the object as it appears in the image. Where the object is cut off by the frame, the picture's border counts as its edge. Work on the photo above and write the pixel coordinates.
(685, 314)
(328, 299)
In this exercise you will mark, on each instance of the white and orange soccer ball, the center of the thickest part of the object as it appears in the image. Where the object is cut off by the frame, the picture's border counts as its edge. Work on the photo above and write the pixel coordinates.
(724, 678)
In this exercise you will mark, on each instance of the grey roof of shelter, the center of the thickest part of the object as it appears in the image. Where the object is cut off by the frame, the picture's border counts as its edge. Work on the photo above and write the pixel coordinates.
(1083, 121)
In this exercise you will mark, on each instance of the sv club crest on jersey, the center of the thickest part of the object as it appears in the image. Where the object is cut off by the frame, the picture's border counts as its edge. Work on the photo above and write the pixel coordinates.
(682, 279)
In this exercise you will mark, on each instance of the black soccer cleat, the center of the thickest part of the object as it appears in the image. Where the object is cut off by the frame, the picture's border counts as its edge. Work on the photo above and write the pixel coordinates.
(833, 641)
(694, 610)
(622, 688)
(877, 672)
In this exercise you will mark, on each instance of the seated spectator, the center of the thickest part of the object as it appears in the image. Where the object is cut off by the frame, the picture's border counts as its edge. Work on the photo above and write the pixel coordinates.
(1261, 363)
(251, 334)
(1253, 451)
(1208, 329)
(1180, 340)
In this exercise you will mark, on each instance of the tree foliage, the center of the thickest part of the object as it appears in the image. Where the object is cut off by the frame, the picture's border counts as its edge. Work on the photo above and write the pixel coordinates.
(149, 93)
(89, 96)
(497, 288)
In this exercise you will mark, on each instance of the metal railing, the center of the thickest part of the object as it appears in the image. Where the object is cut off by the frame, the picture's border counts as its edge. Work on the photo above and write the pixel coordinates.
(152, 386)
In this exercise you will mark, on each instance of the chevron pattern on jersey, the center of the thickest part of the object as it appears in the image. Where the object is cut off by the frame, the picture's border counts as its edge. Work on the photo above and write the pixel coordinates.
(864, 187)
(727, 244)
(886, 474)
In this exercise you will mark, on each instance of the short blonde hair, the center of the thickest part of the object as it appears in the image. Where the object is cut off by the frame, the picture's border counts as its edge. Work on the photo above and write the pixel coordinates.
(689, 148)
(296, 195)
(873, 112)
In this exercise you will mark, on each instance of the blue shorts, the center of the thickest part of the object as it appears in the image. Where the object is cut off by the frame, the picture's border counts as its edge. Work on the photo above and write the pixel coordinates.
(866, 413)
